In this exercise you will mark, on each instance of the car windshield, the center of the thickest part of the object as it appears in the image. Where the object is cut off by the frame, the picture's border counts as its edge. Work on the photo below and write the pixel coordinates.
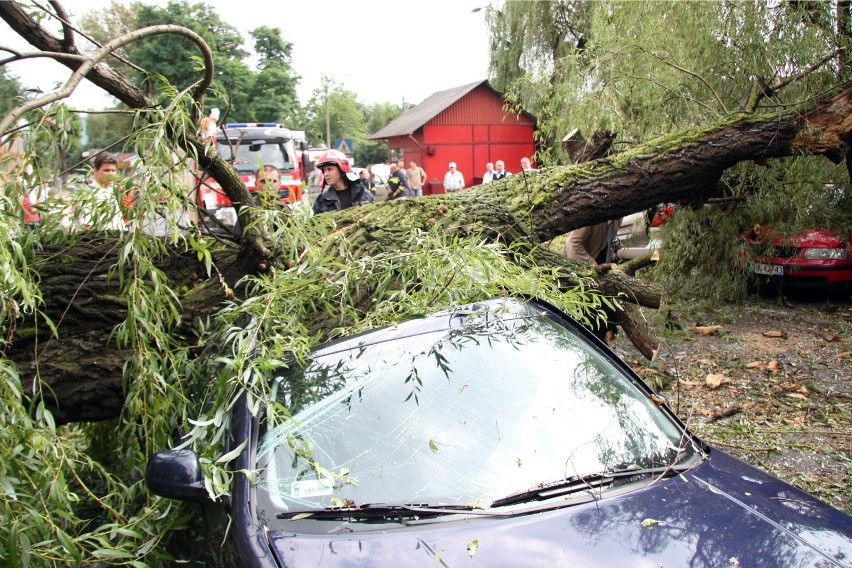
(461, 408)
(249, 157)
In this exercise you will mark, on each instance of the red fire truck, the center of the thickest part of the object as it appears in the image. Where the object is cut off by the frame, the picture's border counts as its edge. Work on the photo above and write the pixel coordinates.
(249, 146)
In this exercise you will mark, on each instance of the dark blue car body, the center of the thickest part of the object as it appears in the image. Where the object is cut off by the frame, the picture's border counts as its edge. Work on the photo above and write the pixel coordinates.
(717, 512)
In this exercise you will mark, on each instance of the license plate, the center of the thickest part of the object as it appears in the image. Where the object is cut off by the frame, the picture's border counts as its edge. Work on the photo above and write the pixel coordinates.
(767, 269)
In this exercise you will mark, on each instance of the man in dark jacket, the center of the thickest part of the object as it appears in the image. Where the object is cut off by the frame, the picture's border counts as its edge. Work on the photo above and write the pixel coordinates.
(337, 190)
(397, 183)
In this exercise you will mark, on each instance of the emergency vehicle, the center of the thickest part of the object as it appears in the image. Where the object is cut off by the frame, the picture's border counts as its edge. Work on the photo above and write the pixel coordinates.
(250, 146)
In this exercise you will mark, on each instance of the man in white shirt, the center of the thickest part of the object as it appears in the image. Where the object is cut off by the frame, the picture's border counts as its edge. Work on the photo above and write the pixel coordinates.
(453, 179)
(526, 166)
(487, 177)
(101, 201)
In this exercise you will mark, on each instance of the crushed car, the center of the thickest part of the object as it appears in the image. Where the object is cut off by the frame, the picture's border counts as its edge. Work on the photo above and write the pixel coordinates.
(499, 433)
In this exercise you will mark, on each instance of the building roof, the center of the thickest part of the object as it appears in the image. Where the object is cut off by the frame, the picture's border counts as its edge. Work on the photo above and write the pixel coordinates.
(432, 106)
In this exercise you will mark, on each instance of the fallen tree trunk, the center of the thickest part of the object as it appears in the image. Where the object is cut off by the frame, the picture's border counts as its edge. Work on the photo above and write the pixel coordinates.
(81, 367)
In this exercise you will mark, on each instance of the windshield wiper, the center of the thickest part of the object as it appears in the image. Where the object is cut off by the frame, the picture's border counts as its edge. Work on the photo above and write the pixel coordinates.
(578, 483)
(383, 510)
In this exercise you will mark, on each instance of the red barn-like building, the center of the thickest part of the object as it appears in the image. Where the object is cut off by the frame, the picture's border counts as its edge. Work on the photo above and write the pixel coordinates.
(466, 125)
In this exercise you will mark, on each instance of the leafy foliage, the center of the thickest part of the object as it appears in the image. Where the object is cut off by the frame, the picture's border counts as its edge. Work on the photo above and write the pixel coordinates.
(11, 92)
(97, 508)
(109, 130)
(605, 66)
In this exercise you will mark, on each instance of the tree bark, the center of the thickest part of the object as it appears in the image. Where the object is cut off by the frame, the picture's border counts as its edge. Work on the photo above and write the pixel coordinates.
(78, 371)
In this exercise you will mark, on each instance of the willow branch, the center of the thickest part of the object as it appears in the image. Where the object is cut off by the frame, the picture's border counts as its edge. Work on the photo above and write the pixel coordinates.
(102, 53)
(67, 30)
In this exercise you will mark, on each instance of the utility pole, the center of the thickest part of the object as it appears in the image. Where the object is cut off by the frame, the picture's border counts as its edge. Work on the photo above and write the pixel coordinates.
(327, 120)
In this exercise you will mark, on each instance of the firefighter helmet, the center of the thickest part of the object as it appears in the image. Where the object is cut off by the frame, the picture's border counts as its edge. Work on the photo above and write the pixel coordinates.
(335, 157)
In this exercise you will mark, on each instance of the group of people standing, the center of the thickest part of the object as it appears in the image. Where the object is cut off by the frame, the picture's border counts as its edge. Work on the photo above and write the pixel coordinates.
(494, 171)
(402, 182)
(406, 182)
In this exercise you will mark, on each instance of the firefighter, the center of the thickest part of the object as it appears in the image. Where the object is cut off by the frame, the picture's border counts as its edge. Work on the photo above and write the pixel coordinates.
(337, 190)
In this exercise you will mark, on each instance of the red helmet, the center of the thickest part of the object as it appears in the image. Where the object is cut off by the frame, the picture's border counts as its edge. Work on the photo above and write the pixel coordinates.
(335, 157)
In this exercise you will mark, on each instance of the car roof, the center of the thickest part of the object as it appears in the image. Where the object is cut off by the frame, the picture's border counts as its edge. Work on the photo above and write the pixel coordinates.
(446, 319)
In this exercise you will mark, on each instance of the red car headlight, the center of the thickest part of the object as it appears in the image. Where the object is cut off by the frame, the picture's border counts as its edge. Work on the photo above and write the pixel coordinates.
(824, 253)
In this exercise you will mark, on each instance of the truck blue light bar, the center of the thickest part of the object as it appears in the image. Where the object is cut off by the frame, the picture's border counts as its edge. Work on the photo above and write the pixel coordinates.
(253, 125)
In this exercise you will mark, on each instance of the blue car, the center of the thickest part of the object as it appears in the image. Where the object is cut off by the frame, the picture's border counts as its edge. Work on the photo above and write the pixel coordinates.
(500, 433)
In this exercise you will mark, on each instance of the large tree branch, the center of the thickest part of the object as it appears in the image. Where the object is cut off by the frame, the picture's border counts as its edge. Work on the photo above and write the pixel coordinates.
(255, 249)
(680, 167)
(89, 63)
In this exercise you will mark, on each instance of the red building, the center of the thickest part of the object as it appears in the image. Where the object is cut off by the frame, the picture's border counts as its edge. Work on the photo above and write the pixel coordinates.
(466, 125)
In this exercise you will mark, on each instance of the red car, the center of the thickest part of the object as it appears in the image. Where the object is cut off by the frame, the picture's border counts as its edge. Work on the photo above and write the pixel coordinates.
(815, 259)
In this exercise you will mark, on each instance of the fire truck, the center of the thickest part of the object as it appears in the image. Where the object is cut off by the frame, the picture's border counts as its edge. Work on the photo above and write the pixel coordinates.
(250, 146)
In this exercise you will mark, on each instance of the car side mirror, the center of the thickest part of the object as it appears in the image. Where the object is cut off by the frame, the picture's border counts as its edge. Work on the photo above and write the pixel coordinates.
(176, 474)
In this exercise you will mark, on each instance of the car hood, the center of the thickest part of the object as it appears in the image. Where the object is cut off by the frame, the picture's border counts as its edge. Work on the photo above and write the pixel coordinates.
(722, 513)
(818, 238)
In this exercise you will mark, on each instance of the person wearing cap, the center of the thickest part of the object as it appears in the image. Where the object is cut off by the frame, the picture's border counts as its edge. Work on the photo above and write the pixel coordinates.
(338, 191)
(453, 179)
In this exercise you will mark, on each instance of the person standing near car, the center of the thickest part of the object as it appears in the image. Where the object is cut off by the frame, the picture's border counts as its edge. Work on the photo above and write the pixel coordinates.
(453, 179)
(397, 183)
(592, 243)
(416, 178)
(338, 191)
(367, 181)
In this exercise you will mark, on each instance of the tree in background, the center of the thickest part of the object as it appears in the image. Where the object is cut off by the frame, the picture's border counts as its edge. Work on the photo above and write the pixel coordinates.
(274, 94)
(109, 129)
(116, 20)
(333, 113)
(174, 58)
(11, 92)
(269, 94)
(377, 116)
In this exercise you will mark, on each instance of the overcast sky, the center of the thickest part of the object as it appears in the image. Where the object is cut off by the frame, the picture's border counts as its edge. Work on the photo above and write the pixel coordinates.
(383, 50)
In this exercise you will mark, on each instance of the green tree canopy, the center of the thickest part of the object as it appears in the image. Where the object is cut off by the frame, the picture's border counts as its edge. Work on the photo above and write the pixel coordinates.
(175, 58)
(11, 91)
(274, 94)
(337, 108)
(109, 129)
(606, 67)
(377, 116)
